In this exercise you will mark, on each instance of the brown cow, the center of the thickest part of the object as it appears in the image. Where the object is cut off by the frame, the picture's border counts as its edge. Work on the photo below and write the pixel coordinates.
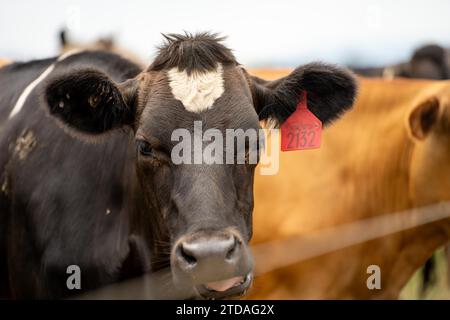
(391, 153)
(427, 62)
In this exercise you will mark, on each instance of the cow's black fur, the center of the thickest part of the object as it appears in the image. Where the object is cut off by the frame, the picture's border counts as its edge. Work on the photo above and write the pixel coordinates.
(197, 53)
(330, 92)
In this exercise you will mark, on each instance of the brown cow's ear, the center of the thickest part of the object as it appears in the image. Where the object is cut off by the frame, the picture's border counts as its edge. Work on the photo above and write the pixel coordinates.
(330, 92)
(423, 117)
(89, 101)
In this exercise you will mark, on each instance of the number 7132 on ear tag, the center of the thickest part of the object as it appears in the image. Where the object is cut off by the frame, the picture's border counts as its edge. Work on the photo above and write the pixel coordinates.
(302, 130)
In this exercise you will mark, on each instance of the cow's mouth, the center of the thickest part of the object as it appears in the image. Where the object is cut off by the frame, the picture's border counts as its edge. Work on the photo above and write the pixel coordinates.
(229, 288)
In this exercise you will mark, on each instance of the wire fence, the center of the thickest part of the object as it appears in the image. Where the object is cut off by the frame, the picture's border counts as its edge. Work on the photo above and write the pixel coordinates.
(282, 253)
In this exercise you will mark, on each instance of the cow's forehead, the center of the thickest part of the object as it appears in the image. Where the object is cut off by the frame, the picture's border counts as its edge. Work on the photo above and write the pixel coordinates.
(197, 91)
(220, 99)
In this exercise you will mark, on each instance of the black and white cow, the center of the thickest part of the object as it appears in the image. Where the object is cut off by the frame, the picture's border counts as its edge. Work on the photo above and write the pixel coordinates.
(87, 177)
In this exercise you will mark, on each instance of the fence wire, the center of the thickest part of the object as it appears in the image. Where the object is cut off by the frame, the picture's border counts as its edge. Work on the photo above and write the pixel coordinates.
(282, 253)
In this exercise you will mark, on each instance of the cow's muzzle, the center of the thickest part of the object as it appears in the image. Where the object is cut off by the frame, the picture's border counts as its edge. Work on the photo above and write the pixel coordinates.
(217, 264)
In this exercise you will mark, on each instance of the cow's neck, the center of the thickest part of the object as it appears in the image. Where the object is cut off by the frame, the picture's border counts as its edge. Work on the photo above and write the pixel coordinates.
(371, 154)
(377, 175)
(364, 180)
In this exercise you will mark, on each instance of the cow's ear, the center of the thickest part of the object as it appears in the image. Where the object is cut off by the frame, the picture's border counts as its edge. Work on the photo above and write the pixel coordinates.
(423, 118)
(89, 101)
(330, 91)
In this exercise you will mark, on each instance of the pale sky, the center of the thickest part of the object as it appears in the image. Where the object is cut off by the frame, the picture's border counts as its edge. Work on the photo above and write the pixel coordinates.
(261, 32)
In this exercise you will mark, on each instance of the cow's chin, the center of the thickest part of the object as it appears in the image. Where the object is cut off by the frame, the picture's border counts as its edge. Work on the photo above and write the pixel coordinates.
(235, 287)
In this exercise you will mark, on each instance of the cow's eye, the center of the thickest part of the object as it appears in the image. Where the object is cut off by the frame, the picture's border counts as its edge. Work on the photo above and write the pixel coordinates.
(144, 148)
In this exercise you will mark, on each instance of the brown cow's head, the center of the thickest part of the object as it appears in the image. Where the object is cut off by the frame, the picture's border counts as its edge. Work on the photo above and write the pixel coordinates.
(205, 208)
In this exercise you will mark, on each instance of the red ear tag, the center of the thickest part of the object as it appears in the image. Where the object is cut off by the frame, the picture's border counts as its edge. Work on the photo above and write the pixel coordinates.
(302, 130)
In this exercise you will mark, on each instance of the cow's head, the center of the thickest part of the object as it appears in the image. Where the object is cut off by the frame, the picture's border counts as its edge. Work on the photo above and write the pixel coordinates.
(427, 62)
(205, 208)
(428, 124)
(430, 62)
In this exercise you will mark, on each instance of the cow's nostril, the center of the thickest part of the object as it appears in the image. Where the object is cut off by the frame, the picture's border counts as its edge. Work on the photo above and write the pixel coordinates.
(186, 255)
(234, 248)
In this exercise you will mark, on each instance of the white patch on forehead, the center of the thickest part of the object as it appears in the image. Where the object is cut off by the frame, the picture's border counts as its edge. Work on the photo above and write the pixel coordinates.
(196, 91)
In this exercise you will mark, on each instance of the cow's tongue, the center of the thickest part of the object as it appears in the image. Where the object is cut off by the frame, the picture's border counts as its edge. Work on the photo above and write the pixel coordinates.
(224, 285)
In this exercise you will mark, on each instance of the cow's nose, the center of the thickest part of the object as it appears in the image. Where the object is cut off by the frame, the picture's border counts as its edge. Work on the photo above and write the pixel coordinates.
(222, 250)
(205, 258)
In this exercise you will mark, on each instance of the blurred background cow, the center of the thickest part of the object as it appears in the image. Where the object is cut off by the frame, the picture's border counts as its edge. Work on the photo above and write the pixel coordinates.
(427, 62)
(104, 43)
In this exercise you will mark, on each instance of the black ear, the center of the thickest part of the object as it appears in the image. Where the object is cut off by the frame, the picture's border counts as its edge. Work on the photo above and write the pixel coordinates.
(89, 101)
(330, 91)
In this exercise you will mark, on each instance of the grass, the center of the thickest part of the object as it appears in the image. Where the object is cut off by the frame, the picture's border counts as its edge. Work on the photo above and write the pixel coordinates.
(438, 290)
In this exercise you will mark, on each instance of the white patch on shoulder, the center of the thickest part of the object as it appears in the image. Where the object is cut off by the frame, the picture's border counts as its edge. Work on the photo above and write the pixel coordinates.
(196, 91)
